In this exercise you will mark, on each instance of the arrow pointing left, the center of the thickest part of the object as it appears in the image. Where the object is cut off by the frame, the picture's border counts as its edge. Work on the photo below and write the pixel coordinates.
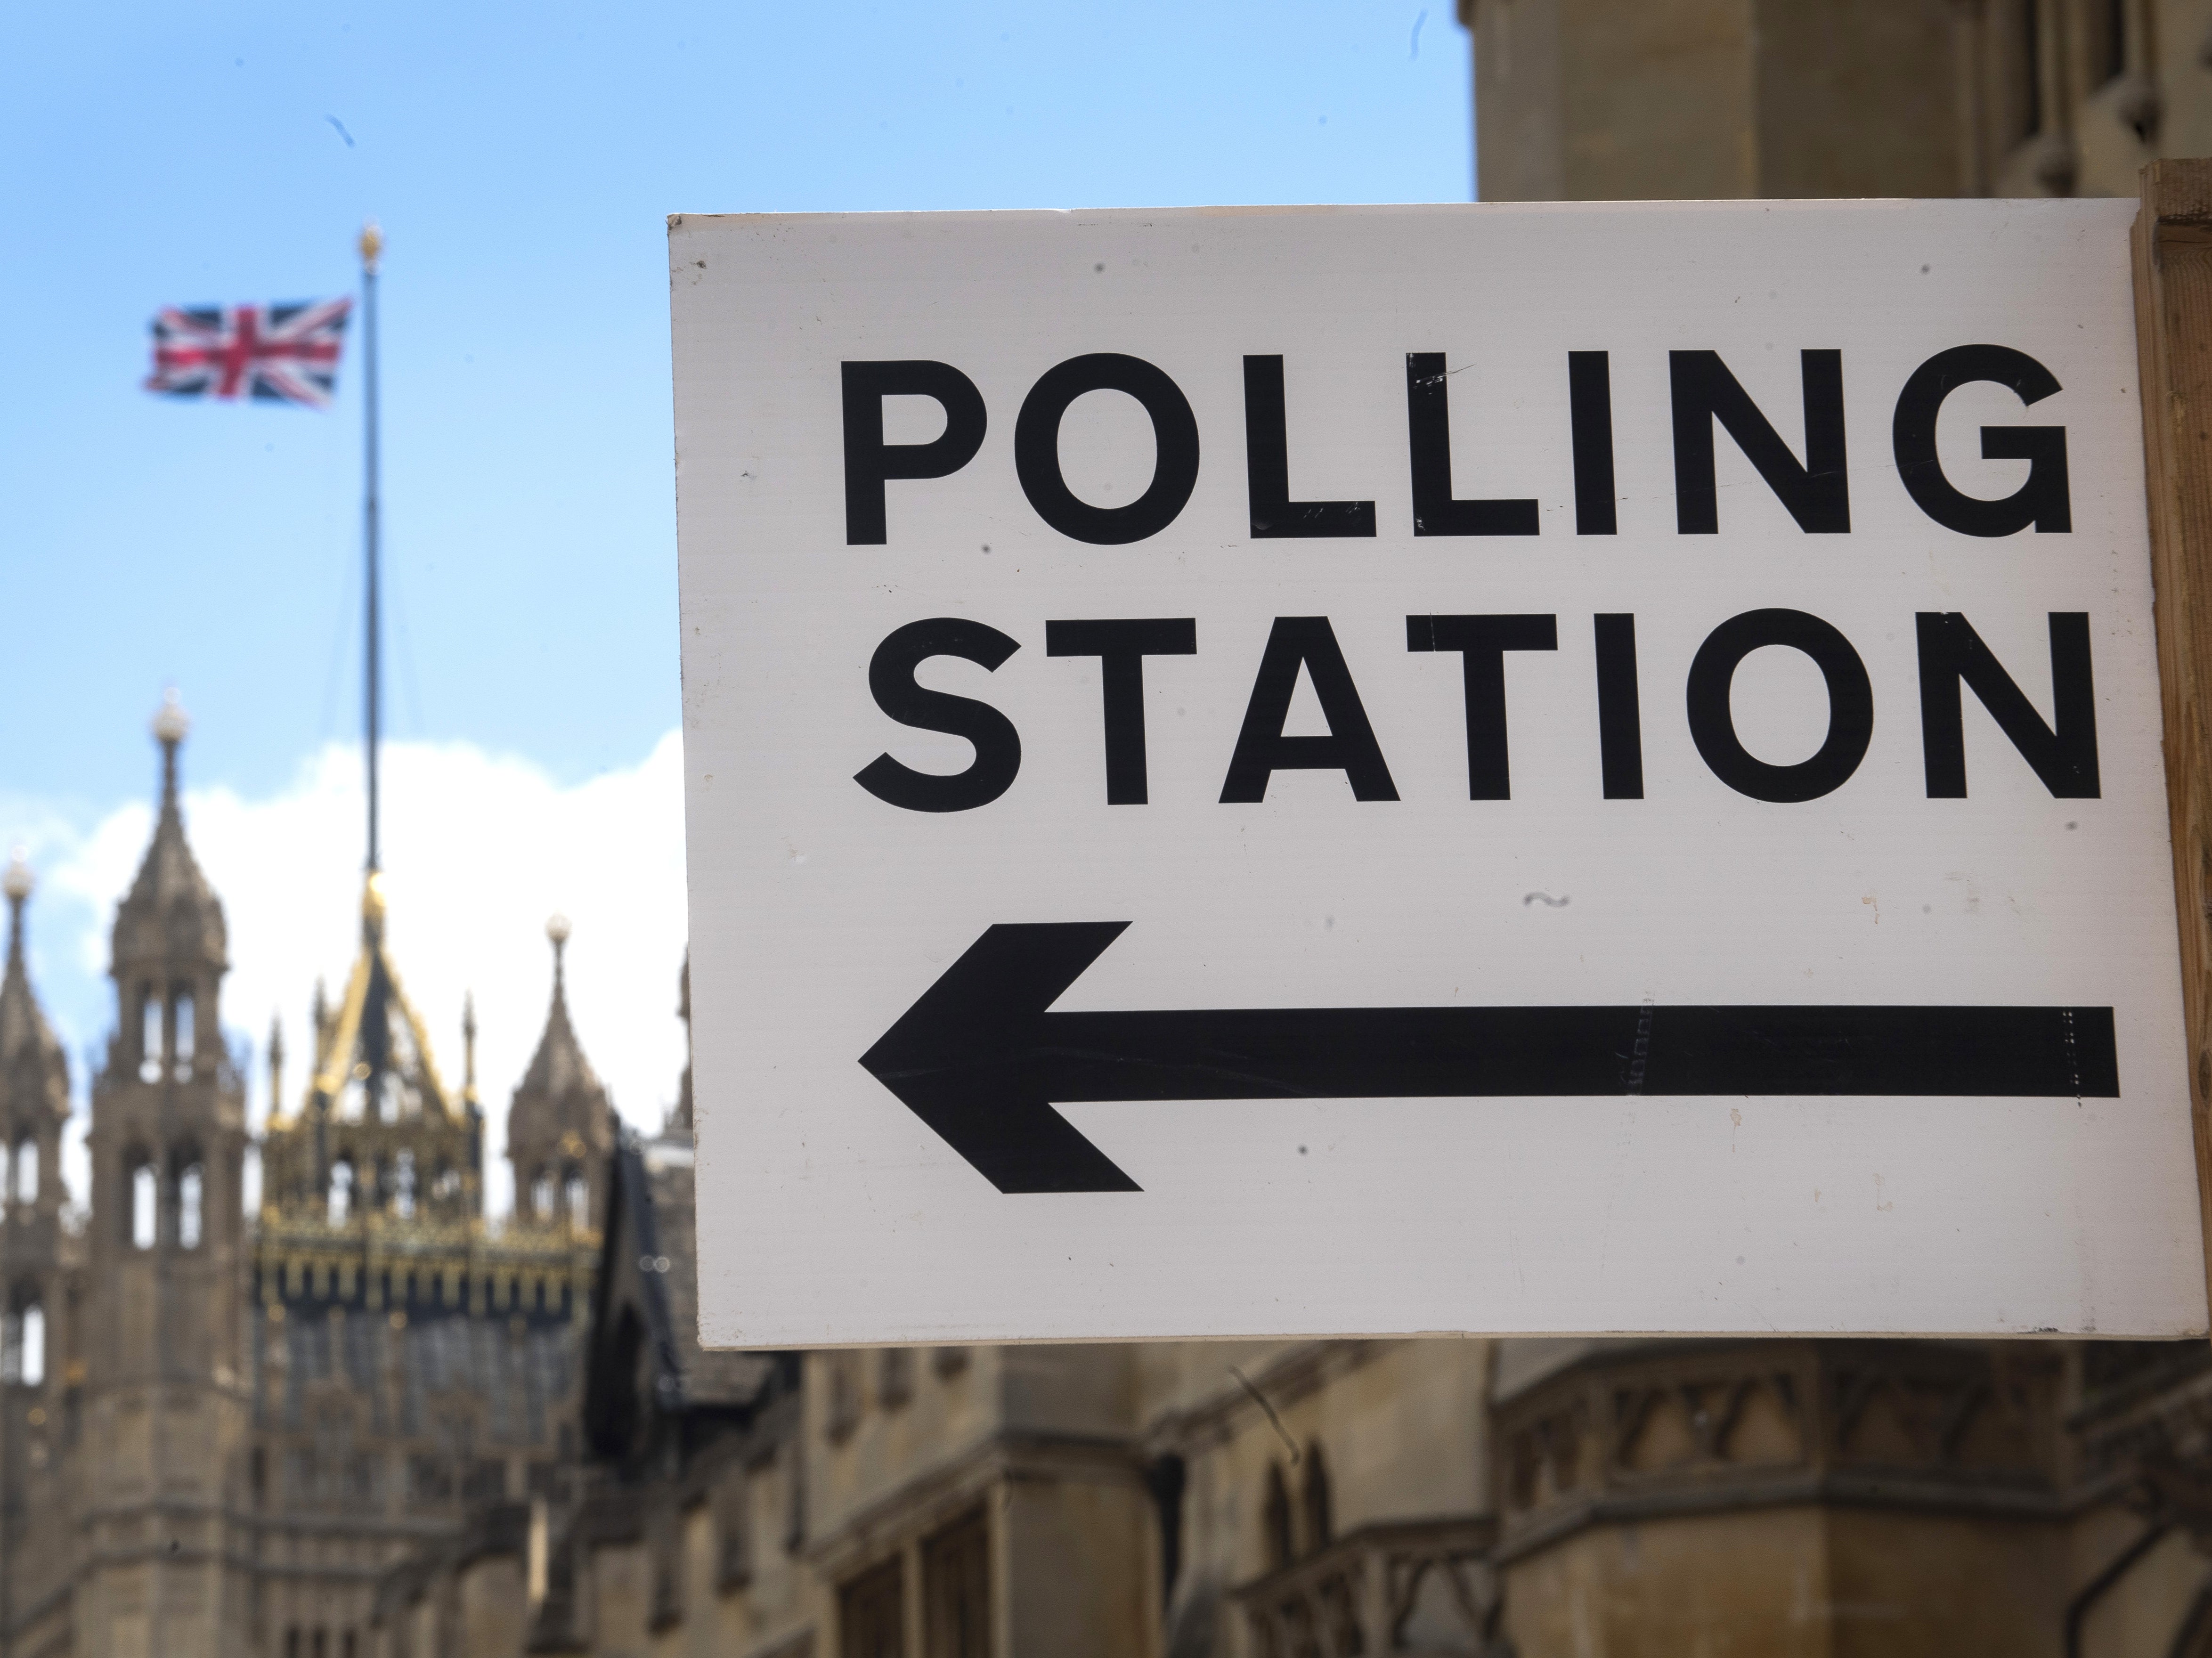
(981, 1060)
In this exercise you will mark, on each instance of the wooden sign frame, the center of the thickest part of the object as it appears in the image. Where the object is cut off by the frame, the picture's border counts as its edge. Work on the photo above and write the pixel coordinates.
(2173, 330)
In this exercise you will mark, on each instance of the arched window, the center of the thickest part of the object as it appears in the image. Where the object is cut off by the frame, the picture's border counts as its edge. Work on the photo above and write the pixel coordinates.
(541, 1195)
(403, 1186)
(1320, 1527)
(145, 1206)
(34, 1345)
(580, 1200)
(182, 1052)
(1275, 1519)
(341, 1195)
(189, 1190)
(843, 1415)
(733, 1531)
(149, 1035)
(26, 1172)
(894, 1377)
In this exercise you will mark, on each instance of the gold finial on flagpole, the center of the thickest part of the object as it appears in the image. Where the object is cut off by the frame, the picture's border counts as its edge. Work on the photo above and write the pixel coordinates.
(372, 247)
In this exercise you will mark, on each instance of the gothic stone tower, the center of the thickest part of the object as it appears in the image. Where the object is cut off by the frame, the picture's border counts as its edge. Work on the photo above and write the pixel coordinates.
(38, 1289)
(160, 1482)
(33, 1106)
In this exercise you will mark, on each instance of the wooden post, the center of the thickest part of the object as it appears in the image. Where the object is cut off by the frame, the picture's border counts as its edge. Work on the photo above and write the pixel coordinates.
(2174, 334)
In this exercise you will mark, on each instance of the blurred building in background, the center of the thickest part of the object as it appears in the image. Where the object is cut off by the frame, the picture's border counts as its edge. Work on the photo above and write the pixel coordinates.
(1334, 1499)
(1646, 100)
(218, 1431)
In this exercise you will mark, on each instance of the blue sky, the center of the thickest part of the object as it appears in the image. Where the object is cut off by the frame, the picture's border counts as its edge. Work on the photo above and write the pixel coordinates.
(521, 160)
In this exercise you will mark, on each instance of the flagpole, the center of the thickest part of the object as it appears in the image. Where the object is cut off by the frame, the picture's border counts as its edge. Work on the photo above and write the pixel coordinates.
(372, 248)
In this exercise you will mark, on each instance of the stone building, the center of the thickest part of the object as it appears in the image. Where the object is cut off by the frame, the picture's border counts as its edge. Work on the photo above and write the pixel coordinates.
(1445, 1499)
(218, 1430)
(40, 1281)
(1651, 100)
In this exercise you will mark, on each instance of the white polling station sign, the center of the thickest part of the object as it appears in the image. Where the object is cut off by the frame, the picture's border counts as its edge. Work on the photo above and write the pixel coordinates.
(1551, 769)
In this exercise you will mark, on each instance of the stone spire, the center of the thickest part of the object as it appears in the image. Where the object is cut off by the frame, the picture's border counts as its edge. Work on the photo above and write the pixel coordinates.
(559, 1128)
(17, 885)
(172, 918)
(33, 1070)
(170, 950)
(558, 1071)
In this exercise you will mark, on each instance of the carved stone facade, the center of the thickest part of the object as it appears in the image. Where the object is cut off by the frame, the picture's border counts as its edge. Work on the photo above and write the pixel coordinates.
(1401, 1587)
(1445, 1499)
(413, 1364)
(1781, 1489)
(1656, 100)
(41, 1286)
(155, 1399)
(1633, 1435)
(218, 1431)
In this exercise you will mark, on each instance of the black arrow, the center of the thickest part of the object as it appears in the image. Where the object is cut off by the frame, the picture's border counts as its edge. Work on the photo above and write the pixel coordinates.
(981, 1061)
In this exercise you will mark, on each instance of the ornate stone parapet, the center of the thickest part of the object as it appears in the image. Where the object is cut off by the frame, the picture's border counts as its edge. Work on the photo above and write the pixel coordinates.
(1416, 1587)
(1632, 1431)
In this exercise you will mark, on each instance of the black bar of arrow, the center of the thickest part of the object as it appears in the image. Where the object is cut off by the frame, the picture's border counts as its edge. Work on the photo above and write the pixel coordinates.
(980, 1060)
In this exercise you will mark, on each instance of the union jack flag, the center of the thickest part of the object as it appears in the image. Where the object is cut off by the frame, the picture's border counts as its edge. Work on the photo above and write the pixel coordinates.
(279, 352)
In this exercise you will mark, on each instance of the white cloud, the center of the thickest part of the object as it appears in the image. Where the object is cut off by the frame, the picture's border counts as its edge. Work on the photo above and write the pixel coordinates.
(478, 850)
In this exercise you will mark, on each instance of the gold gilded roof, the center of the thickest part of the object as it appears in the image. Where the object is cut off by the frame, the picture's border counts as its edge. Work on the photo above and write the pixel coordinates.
(373, 992)
(376, 1136)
